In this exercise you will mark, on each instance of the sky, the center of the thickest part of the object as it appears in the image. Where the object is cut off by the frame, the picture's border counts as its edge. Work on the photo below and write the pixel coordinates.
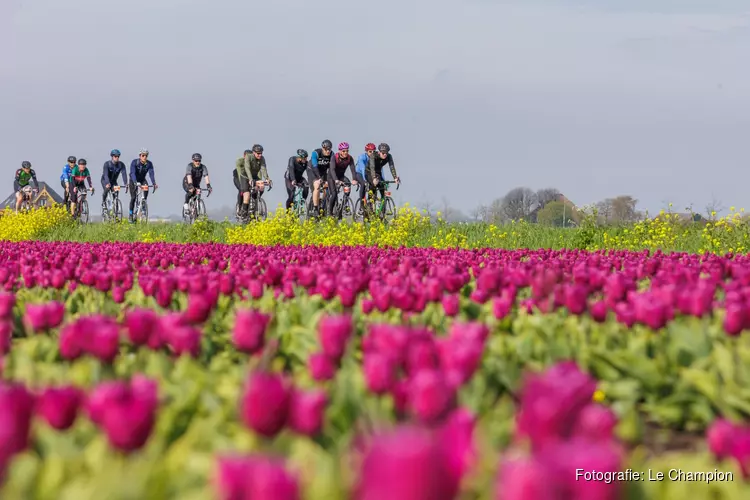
(596, 98)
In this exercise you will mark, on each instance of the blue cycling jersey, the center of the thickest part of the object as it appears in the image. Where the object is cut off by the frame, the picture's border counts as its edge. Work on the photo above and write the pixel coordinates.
(66, 173)
(362, 162)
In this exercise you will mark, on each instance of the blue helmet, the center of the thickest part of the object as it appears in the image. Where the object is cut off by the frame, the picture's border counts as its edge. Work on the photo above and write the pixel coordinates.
(114, 152)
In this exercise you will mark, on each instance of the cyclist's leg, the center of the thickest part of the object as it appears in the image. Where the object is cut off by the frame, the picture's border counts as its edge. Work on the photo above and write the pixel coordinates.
(314, 180)
(132, 189)
(72, 196)
(305, 187)
(188, 194)
(362, 185)
(19, 198)
(245, 189)
(333, 192)
(105, 191)
(65, 192)
(289, 191)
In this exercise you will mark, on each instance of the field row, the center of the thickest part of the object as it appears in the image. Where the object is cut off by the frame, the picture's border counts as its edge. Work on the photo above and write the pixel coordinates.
(191, 371)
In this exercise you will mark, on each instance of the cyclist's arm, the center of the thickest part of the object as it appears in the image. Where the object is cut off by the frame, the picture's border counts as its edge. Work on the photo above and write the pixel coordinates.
(205, 174)
(353, 168)
(132, 172)
(314, 164)
(371, 167)
(392, 166)
(332, 169)
(263, 170)
(290, 168)
(248, 170)
(105, 177)
(16, 184)
(361, 167)
(33, 178)
(188, 177)
(124, 175)
(151, 173)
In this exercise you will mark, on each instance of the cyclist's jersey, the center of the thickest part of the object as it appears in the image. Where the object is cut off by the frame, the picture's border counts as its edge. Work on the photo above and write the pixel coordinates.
(78, 175)
(250, 167)
(111, 171)
(376, 164)
(339, 166)
(196, 174)
(295, 169)
(139, 170)
(320, 161)
(66, 173)
(362, 161)
(23, 178)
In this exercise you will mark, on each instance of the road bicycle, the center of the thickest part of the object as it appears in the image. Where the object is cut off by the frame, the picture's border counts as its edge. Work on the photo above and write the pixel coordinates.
(26, 198)
(344, 206)
(196, 207)
(382, 207)
(81, 213)
(322, 205)
(140, 214)
(112, 206)
(258, 210)
(298, 203)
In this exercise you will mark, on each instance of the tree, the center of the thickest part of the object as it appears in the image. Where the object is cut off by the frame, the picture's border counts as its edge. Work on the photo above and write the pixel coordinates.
(623, 209)
(604, 209)
(714, 207)
(446, 211)
(547, 195)
(428, 207)
(556, 213)
(518, 203)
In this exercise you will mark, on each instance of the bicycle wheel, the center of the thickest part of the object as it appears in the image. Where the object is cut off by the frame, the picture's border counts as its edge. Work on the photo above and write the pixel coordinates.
(389, 209)
(200, 209)
(105, 212)
(261, 211)
(358, 214)
(143, 212)
(117, 210)
(347, 209)
(83, 212)
(187, 215)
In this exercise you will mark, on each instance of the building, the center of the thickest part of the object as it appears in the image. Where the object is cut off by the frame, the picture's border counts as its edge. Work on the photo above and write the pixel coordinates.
(45, 197)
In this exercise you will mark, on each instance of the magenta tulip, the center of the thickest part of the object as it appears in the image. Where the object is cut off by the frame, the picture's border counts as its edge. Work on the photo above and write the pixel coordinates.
(265, 403)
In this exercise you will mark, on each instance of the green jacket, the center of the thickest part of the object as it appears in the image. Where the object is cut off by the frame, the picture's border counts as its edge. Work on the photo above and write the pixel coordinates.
(249, 167)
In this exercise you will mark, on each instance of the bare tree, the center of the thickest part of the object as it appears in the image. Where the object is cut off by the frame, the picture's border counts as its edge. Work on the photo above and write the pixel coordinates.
(547, 195)
(714, 207)
(446, 210)
(518, 203)
(623, 209)
(428, 207)
(480, 213)
(604, 209)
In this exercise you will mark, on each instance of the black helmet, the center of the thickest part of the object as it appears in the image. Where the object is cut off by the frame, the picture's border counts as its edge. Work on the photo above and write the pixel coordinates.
(81, 161)
(247, 152)
(326, 144)
(302, 153)
(384, 148)
(71, 159)
(257, 148)
(197, 157)
(26, 164)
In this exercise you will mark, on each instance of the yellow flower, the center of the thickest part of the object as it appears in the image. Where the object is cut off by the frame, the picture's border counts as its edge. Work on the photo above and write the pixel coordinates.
(599, 396)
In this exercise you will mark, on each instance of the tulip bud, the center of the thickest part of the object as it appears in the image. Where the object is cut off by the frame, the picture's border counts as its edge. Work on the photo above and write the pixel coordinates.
(380, 372)
(334, 333)
(306, 411)
(265, 403)
(321, 367)
(59, 406)
(249, 331)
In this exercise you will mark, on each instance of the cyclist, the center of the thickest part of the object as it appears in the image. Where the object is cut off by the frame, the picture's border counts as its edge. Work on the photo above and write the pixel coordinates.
(361, 169)
(337, 173)
(65, 177)
(294, 176)
(251, 166)
(78, 176)
(318, 171)
(375, 168)
(24, 175)
(112, 168)
(138, 170)
(194, 173)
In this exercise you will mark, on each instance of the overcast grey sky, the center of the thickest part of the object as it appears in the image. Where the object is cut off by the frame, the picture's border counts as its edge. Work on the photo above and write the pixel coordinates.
(597, 98)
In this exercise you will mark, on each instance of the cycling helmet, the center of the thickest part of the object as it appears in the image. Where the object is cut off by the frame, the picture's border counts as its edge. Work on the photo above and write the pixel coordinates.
(143, 151)
(197, 157)
(81, 161)
(114, 152)
(326, 144)
(247, 152)
(384, 148)
(370, 147)
(71, 159)
(26, 164)
(302, 153)
(343, 145)
(257, 148)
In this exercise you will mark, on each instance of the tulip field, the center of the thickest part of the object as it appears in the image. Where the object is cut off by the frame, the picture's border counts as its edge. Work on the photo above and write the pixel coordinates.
(200, 371)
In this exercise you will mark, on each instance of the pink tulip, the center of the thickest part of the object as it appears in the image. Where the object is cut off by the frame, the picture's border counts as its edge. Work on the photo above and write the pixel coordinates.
(141, 325)
(524, 479)
(199, 308)
(430, 396)
(6, 334)
(596, 422)
(451, 305)
(42, 317)
(255, 478)
(380, 372)
(720, 438)
(59, 406)
(334, 332)
(7, 302)
(306, 411)
(321, 367)
(16, 410)
(265, 403)
(249, 331)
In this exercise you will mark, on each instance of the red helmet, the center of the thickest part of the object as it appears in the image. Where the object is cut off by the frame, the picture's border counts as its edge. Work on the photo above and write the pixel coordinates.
(370, 147)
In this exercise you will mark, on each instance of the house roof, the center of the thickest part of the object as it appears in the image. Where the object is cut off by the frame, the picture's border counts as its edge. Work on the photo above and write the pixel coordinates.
(43, 186)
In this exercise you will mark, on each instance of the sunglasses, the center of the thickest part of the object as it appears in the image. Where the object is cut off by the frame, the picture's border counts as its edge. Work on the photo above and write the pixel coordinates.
(115, 156)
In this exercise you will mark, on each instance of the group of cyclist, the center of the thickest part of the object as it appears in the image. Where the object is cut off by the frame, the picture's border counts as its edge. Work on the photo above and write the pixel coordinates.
(250, 176)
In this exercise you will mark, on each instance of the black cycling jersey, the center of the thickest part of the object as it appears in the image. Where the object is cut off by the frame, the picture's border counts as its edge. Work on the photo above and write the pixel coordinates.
(376, 164)
(296, 169)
